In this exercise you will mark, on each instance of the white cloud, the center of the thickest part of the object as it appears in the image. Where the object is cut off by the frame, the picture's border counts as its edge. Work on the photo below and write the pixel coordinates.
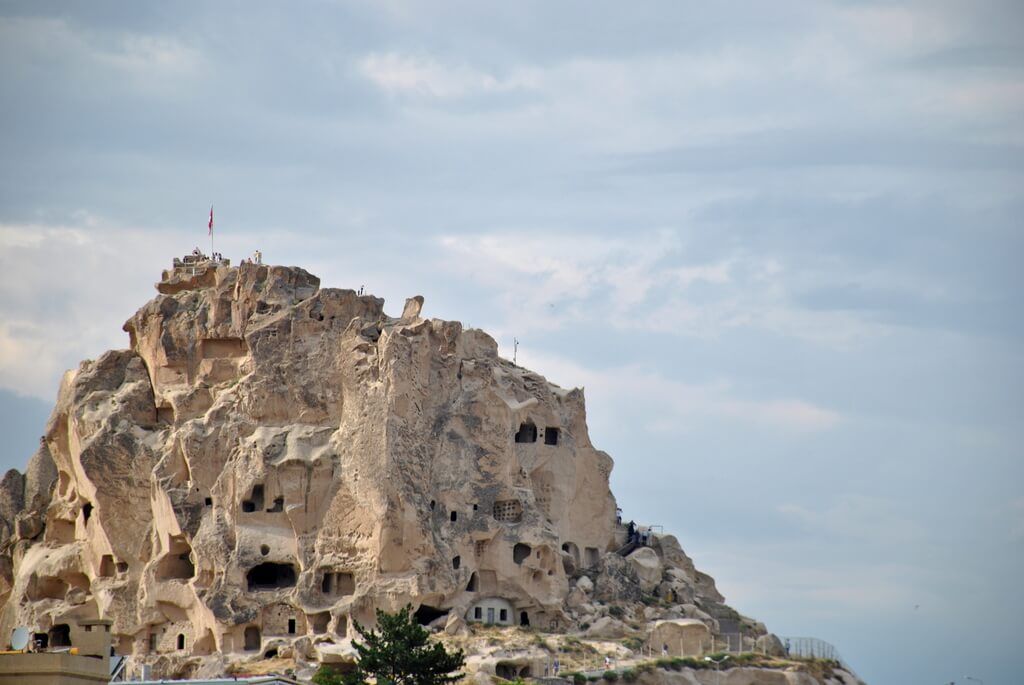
(147, 61)
(414, 75)
(672, 406)
(66, 291)
(554, 281)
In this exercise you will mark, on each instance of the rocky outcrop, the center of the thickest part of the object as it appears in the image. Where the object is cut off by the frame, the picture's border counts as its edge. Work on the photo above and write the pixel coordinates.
(271, 460)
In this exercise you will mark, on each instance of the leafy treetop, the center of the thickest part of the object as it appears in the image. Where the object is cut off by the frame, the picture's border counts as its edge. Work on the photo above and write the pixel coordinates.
(397, 652)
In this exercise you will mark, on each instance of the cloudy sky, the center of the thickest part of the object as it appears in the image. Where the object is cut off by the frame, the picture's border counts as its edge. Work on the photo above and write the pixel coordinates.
(778, 243)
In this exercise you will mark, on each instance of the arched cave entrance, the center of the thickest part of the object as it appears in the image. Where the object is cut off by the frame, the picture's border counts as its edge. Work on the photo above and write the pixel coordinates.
(252, 638)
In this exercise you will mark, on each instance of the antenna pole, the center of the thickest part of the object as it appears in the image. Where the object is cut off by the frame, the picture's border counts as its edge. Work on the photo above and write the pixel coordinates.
(515, 350)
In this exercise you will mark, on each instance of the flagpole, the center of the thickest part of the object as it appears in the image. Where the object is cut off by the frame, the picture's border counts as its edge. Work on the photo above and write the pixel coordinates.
(211, 230)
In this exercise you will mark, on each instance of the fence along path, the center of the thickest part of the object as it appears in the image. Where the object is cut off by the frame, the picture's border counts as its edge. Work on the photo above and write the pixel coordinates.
(814, 648)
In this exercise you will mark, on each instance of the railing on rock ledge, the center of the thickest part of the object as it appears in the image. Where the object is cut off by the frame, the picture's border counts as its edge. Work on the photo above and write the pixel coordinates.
(814, 648)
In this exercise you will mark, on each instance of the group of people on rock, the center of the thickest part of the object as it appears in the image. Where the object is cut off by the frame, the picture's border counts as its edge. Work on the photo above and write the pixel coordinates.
(634, 534)
(257, 256)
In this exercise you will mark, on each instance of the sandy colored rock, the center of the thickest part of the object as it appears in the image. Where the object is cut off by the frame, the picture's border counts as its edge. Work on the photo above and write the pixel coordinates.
(606, 627)
(647, 567)
(679, 637)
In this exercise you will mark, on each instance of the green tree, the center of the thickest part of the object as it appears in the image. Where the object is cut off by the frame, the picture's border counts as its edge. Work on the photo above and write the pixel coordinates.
(397, 652)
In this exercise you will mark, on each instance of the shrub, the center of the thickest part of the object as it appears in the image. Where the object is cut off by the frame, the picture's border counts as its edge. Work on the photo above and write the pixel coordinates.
(633, 643)
(610, 676)
(579, 678)
(616, 611)
(629, 675)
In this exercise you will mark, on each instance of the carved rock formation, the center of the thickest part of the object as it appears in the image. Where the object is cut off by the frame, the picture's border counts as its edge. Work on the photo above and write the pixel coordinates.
(271, 460)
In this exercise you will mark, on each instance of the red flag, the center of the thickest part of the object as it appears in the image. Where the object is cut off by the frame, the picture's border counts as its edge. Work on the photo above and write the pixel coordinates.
(210, 225)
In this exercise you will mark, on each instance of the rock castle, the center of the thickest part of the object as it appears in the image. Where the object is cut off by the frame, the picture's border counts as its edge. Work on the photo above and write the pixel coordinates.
(271, 461)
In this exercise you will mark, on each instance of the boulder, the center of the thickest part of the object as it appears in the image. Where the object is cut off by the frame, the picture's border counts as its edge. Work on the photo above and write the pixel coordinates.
(606, 627)
(647, 567)
(680, 637)
(771, 645)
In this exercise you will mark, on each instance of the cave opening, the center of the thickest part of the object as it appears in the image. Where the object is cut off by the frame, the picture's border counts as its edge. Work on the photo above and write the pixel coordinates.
(550, 436)
(60, 635)
(427, 614)
(252, 638)
(338, 583)
(520, 552)
(255, 501)
(270, 576)
(527, 432)
(106, 569)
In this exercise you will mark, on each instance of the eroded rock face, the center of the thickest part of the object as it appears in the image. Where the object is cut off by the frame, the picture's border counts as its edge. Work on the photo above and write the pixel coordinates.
(270, 461)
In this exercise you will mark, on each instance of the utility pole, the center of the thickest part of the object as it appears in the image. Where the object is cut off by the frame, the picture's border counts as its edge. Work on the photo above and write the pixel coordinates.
(515, 350)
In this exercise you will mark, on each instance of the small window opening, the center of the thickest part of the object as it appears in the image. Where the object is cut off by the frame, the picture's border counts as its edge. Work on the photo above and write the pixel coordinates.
(478, 613)
(264, 550)
(475, 507)
(41, 641)
(87, 511)
(456, 562)
(524, 619)
(152, 642)
(291, 626)
(278, 506)
(471, 587)
(527, 432)
(454, 516)
(122, 567)
(270, 654)
(181, 641)
(209, 501)
(520, 552)
(503, 615)
(432, 505)
(551, 436)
